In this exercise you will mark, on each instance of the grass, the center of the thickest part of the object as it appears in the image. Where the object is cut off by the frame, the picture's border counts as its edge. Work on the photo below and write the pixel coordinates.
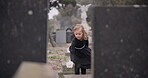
(59, 50)
(53, 57)
(57, 57)
(61, 75)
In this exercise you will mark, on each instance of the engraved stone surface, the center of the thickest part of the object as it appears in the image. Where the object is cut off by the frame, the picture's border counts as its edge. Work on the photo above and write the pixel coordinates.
(23, 34)
(120, 42)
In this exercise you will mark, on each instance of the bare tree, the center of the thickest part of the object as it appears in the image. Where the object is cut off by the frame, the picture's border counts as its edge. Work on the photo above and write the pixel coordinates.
(52, 40)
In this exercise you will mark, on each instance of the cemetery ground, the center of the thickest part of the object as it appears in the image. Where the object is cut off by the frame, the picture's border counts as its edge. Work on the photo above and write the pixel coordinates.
(56, 55)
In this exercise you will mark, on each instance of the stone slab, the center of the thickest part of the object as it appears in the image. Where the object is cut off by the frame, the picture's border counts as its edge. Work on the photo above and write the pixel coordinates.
(78, 76)
(35, 70)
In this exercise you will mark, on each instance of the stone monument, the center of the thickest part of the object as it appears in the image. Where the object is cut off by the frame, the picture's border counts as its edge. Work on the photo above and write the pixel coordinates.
(120, 42)
(84, 9)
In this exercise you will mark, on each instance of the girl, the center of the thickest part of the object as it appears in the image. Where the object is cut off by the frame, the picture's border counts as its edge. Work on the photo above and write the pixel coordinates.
(79, 50)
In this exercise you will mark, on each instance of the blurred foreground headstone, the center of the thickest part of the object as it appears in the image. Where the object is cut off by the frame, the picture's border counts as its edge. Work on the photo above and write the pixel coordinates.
(120, 42)
(35, 70)
(23, 34)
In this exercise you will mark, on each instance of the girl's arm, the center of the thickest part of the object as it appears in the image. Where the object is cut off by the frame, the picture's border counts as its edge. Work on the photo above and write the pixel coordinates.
(72, 47)
(87, 43)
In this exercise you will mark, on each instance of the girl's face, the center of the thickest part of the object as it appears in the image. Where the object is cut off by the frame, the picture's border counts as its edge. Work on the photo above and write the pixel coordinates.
(78, 34)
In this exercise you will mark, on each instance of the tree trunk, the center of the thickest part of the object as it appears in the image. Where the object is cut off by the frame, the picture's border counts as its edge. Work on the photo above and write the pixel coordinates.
(52, 40)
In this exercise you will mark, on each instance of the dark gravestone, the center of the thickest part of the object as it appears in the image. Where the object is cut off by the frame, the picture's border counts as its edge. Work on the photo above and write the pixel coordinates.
(120, 42)
(23, 32)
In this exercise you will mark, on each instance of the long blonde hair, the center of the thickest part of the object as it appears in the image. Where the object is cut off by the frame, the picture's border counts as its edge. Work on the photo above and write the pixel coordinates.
(79, 26)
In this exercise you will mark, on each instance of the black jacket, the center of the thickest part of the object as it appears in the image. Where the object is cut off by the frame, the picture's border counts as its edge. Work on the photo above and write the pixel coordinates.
(80, 52)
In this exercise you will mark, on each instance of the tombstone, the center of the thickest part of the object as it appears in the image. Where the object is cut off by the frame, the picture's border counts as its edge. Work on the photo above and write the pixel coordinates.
(120, 42)
(69, 35)
(61, 36)
(23, 34)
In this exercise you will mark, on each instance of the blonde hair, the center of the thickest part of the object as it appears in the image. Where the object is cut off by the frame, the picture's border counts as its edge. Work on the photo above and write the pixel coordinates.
(79, 26)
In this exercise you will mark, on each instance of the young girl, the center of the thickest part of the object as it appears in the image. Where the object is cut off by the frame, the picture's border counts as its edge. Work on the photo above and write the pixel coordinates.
(79, 50)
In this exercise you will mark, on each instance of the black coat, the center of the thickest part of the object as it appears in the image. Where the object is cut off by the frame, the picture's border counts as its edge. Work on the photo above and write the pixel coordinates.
(80, 53)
